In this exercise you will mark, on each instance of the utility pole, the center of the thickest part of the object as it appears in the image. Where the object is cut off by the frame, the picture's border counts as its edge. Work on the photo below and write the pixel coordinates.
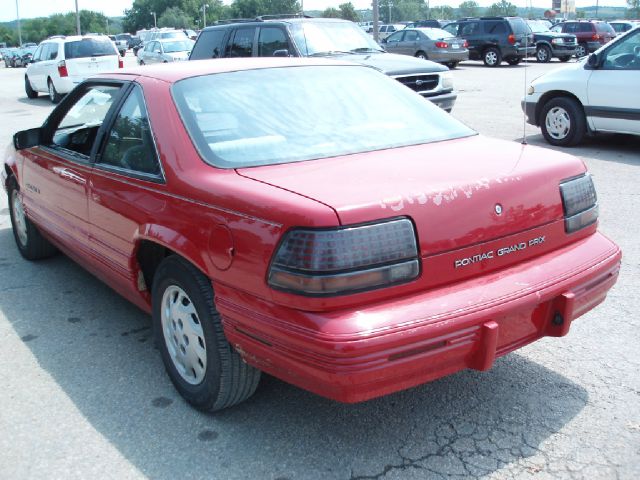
(107, 25)
(154, 19)
(204, 15)
(376, 20)
(77, 19)
(19, 31)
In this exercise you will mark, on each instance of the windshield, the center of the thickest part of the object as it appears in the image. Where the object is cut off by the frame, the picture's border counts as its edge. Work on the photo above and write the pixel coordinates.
(436, 33)
(284, 115)
(88, 47)
(177, 46)
(519, 26)
(314, 38)
(537, 27)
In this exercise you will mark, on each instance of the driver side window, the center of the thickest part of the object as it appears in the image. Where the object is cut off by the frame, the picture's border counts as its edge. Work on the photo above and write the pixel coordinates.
(130, 144)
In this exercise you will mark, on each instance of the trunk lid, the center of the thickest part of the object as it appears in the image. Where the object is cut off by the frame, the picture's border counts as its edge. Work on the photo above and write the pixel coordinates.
(451, 190)
(89, 56)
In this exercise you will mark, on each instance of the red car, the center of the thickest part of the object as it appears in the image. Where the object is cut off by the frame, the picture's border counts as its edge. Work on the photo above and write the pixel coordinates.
(272, 216)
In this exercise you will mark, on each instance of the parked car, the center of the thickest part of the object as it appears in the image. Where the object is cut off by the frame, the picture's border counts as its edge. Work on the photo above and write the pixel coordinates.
(23, 57)
(551, 44)
(385, 30)
(597, 94)
(164, 51)
(426, 24)
(9, 57)
(324, 37)
(591, 34)
(126, 37)
(60, 63)
(622, 26)
(429, 43)
(272, 217)
(121, 45)
(494, 39)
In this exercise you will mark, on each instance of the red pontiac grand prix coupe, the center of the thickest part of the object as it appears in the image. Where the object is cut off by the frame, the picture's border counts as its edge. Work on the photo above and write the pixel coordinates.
(272, 216)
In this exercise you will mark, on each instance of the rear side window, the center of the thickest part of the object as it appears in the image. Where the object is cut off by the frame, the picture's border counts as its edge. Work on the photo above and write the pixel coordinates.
(471, 28)
(88, 47)
(271, 40)
(495, 27)
(242, 43)
(585, 27)
(209, 45)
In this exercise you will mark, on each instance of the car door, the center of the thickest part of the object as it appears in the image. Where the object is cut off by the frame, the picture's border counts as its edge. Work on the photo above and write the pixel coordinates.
(393, 43)
(46, 67)
(34, 69)
(241, 42)
(124, 188)
(614, 102)
(55, 174)
(409, 43)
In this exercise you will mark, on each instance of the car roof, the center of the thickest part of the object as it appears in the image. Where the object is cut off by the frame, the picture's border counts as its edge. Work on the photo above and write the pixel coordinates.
(168, 72)
(228, 23)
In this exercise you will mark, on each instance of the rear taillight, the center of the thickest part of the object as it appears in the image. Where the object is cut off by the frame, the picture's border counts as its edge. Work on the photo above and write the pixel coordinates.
(580, 203)
(595, 36)
(120, 63)
(442, 45)
(465, 44)
(62, 69)
(511, 39)
(345, 259)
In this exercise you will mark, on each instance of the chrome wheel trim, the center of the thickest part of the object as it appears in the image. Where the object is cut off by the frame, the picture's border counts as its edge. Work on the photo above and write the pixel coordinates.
(491, 57)
(581, 51)
(52, 94)
(558, 123)
(542, 54)
(19, 218)
(183, 335)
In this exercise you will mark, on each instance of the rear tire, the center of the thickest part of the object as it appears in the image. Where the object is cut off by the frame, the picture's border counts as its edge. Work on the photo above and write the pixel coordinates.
(452, 65)
(54, 96)
(543, 54)
(205, 369)
(492, 57)
(30, 242)
(514, 61)
(564, 59)
(31, 93)
(563, 122)
(421, 55)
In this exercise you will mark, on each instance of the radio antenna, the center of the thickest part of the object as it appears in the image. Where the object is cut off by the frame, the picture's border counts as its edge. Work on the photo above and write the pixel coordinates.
(526, 66)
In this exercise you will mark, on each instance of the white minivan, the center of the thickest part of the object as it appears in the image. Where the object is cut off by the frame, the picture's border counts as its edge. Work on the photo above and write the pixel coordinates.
(60, 63)
(600, 93)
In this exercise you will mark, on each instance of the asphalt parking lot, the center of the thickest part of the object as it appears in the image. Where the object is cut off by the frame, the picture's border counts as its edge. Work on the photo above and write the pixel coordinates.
(83, 393)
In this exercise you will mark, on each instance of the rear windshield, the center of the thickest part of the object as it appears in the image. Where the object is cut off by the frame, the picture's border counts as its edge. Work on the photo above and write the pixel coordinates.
(177, 46)
(604, 27)
(284, 115)
(89, 47)
(519, 26)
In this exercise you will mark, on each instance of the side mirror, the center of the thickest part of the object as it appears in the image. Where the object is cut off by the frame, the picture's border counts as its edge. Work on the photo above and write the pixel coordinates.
(281, 53)
(384, 40)
(593, 61)
(27, 138)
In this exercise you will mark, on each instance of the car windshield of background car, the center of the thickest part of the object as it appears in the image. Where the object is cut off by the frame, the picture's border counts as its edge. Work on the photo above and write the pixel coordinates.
(177, 46)
(283, 115)
(537, 27)
(519, 26)
(88, 47)
(326, 37)
(436, 33)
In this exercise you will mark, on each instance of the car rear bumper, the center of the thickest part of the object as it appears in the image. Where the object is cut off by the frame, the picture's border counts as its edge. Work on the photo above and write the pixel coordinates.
(450, 56)
(528, 51)
(425, 336)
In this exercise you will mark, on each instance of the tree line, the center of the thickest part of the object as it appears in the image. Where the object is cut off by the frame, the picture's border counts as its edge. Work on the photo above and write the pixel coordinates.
(192, 14)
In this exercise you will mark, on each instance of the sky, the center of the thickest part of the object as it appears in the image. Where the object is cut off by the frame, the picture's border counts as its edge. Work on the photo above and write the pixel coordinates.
(115, 8)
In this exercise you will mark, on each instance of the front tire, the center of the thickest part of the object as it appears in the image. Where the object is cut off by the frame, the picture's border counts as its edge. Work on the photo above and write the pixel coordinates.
(564, 59)
(31, 93)
(54, 96)
(202, 365)
(563, 122)
(581, 50)
(543, 54)
(30, 242)
(492, 57)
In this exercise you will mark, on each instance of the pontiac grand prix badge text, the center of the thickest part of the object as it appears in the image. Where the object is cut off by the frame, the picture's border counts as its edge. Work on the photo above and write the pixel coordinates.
(500, 252)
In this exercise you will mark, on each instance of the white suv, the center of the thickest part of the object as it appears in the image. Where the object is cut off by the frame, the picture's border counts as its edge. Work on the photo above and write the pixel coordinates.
(60, 63)
(597, 94)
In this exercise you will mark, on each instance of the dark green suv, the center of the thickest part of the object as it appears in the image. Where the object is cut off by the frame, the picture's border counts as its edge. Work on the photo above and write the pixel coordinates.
(494, 39)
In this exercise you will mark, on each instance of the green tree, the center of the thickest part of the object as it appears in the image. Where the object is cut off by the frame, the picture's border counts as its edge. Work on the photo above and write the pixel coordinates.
(348, 12)
(470, 8)
(502, 8)
(634, 9)
(408, 10)
(174, 17)
(331, 12)
(443, 12)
